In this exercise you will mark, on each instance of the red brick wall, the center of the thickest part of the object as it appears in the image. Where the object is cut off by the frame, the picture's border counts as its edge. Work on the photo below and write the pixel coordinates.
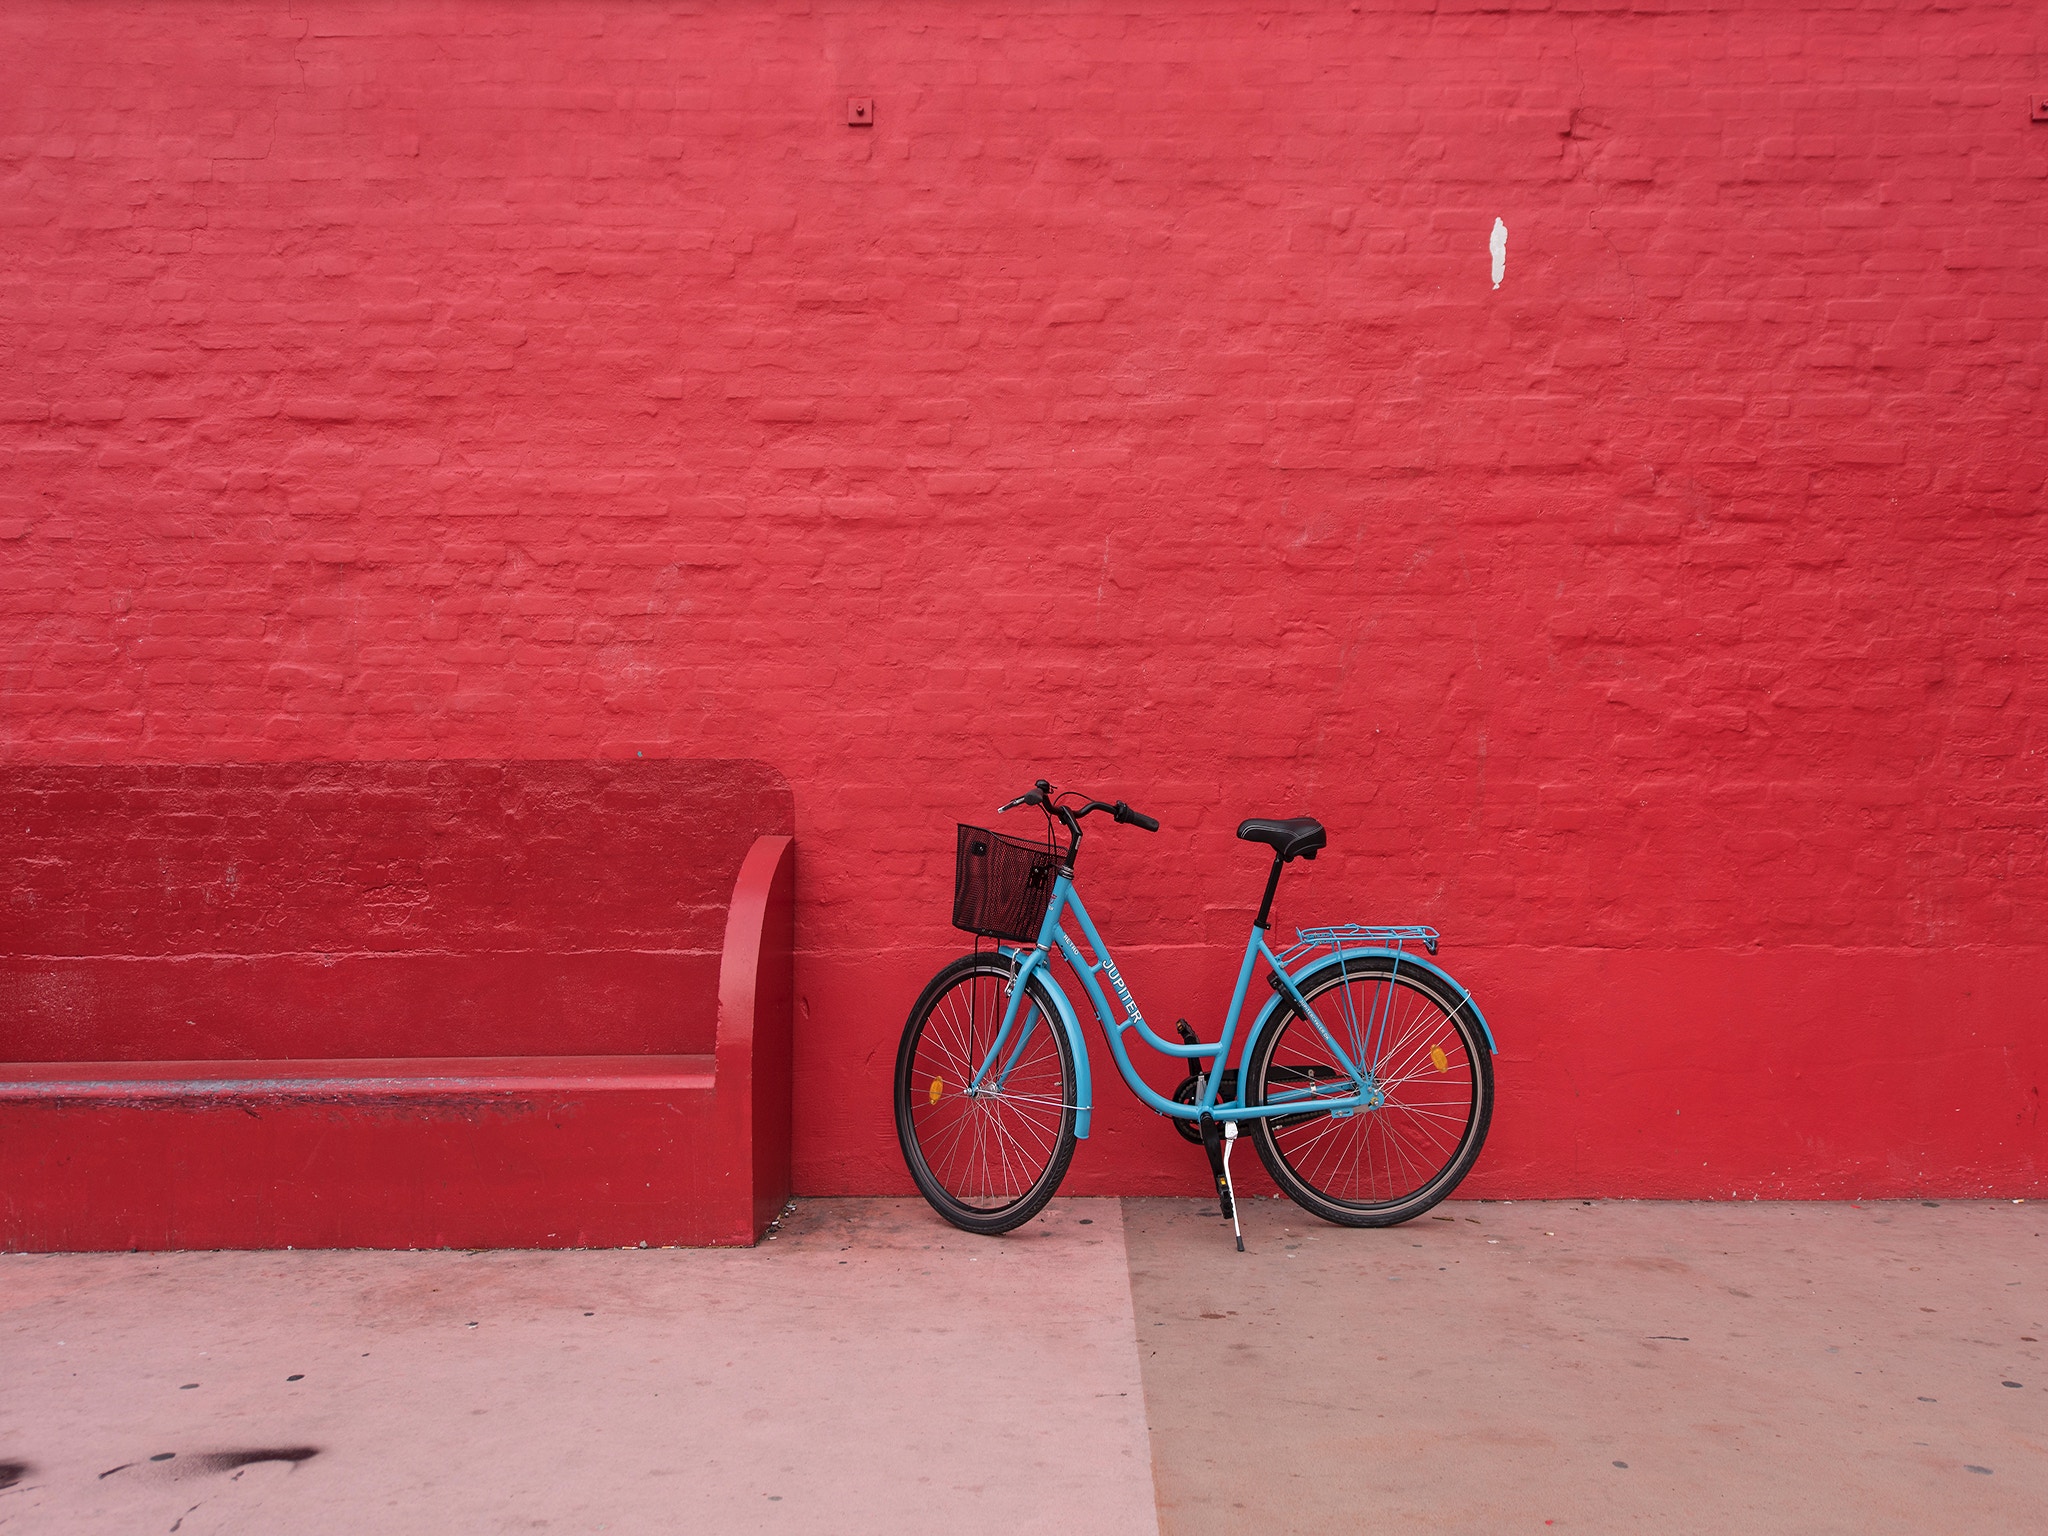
(317, 910)
(1131, 405)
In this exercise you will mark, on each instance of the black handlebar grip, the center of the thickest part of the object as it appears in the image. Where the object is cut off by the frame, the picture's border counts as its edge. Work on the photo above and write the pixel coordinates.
(1133, 818)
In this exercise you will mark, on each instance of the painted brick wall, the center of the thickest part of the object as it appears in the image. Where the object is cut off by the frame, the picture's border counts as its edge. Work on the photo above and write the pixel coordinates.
(291, 910)
(1131, 404)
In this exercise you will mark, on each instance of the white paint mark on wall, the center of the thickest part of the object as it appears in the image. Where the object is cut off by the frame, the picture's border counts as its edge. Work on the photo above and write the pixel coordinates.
(1499, 246)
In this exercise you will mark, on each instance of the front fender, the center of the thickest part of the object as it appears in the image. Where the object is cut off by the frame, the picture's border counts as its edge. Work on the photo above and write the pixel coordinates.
(1032, 963)
(1316, 969)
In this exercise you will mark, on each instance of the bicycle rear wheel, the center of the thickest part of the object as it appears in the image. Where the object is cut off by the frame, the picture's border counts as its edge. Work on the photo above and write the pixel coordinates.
(1375, 1167)
(988, 1160)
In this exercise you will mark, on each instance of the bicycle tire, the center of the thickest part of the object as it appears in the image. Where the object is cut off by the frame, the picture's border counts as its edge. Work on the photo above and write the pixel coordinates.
(1376, 1167)
(987, 1163)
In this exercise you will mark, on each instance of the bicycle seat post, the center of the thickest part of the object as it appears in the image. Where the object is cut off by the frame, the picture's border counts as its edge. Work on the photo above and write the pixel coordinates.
(1296, 837)
(1264, 919)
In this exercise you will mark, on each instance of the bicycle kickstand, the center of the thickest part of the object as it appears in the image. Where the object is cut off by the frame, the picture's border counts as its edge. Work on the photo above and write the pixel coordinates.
(1229, 1141)
(1217, 1141)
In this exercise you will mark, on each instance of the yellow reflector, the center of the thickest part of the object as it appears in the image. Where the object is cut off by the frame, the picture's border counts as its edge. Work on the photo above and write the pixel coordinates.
(939, 1087)
(1436, 1054)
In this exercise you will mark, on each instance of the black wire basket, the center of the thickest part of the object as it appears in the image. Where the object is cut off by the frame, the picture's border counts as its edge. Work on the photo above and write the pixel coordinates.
(1001, 885)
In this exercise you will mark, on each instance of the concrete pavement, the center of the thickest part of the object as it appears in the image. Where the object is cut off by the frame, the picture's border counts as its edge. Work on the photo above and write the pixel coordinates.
(869, 1370)
(1562, 1366)
(1115, 1367)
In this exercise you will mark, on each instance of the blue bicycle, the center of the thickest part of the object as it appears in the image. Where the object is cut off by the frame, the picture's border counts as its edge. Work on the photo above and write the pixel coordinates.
(1366, 1078)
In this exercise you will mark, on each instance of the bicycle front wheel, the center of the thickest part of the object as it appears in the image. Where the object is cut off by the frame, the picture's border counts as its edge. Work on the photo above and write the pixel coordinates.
(1374, 1167)
(989, 1155)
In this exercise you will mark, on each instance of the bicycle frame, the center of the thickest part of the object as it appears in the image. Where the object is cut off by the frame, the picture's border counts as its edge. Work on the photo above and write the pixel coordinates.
(1355, 1091)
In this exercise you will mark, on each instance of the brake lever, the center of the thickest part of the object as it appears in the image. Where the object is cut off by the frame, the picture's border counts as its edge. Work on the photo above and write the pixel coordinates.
(1037, 795)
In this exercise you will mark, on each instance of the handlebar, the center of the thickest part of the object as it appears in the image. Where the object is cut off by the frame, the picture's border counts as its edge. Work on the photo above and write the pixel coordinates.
(1046, 798)
(1133, 818)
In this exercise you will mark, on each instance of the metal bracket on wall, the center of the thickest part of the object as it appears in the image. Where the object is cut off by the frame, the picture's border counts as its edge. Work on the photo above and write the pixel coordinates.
(860, 111)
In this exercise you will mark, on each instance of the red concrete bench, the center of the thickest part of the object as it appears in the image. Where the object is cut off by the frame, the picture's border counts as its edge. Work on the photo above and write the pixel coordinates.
(527, 1004)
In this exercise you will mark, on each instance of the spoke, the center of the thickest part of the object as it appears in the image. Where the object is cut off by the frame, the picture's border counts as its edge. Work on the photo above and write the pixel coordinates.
(1027, 1098)
(1016, 1183)
(1407, 1056)
(1355, 1035)
(952, 1135)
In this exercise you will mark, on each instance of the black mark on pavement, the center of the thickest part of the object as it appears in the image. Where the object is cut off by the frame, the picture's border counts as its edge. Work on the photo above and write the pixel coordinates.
(229, 1461)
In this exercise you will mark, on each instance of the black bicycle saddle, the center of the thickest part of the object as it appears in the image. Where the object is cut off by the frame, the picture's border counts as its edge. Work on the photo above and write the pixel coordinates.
(1297, 837)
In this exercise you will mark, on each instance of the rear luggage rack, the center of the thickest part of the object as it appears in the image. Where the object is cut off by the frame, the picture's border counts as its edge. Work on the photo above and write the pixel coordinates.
(1356, 936)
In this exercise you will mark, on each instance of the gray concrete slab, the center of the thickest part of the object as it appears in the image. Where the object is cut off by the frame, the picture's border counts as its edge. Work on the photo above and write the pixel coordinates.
(870, 1370)
(1676, 1368)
